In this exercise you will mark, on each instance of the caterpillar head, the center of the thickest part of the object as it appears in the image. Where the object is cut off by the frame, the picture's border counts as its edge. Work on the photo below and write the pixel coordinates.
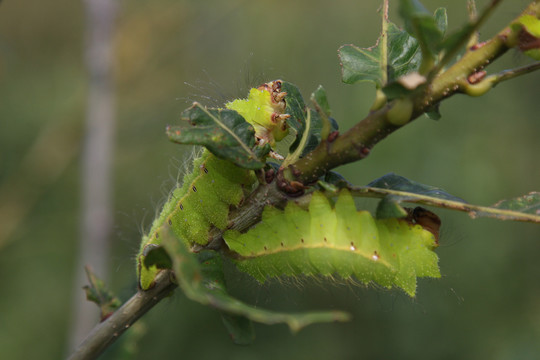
(265, 110)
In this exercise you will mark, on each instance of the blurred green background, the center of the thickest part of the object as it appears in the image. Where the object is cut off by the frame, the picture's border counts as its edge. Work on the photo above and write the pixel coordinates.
(169, 53)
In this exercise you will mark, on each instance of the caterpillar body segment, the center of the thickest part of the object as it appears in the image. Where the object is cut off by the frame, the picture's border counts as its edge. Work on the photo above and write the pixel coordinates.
(203, 201)
(215, 185)
(339, 240)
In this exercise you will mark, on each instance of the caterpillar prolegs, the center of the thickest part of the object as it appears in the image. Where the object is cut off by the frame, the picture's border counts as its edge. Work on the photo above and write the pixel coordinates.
(336, 240)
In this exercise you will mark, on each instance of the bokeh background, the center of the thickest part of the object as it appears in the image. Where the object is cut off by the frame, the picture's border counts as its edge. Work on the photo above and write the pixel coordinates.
(171, 52)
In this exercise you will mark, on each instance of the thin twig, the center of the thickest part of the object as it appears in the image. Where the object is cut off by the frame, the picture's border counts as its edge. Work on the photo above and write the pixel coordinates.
(474, 211)
(104, 334)
(357, 142)
(512, 73)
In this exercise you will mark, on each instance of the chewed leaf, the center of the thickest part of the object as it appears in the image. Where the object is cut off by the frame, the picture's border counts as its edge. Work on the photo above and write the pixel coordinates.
(201, 278)
(528, 204)
(99, 294)
(224, 132)
(512, 208)
(297, 109)
(318, 97)
(396, 182)
(364, 64)
(321, 122)
(336, 241)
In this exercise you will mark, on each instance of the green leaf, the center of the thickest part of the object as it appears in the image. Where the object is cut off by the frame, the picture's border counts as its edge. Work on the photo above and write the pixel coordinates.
(396, 182)
(321, 122)
(99, 294)
(441, 19)
(426, 28)
(318, 97)
(201, 278)
(224, 132)
(335, 180)
(524, 208)
(526, 204)
(364, 64)
(529, 204)
(433, 112)
(297, 109)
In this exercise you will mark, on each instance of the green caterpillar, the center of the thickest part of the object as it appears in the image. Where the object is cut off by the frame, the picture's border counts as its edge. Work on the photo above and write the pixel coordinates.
(215, 185)
(203, 201)
(340, 240)
(320, 241)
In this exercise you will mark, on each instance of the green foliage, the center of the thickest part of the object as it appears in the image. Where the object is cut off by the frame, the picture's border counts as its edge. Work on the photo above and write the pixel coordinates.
(370, 64)
(400, 183)
(223, 132)
(203, 201)
(526, 204)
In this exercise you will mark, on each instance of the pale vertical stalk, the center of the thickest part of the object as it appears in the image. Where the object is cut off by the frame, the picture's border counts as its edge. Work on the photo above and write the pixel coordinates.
(384, 43)
(96, 179)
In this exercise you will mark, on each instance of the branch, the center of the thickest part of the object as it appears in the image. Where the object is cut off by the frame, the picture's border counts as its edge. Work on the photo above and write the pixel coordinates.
(106, 332)
(510, 74)
(358, 141)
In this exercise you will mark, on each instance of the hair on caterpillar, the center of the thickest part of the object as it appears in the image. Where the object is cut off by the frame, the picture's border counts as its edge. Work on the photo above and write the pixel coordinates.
(178, 168)
(207, 92)
(211, 93)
